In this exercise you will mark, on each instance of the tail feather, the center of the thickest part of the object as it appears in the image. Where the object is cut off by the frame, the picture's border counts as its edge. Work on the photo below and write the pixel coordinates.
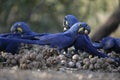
(90, 48)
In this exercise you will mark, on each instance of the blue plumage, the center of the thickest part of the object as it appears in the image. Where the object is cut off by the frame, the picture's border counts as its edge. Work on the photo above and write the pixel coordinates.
(20, 30)
(58, 40)
(24, 29)
(12, 44)
(69, 20)
(9, 45)
(61, 40)
(109, 44)
(84, 43)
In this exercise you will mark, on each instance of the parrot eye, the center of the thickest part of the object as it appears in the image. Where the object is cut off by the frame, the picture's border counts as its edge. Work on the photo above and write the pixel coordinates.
(66, 24)
(79, 25)
(81, 29)
(19, 25)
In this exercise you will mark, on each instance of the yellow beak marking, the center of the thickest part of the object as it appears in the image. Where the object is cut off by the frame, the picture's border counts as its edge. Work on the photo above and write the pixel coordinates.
(19, 29)
(81, 29)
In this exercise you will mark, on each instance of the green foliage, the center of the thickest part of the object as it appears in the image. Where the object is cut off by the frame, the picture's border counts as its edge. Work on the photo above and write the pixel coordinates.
(47, 15)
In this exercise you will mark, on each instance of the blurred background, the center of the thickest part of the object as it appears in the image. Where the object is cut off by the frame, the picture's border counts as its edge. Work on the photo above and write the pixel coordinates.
(47, 15)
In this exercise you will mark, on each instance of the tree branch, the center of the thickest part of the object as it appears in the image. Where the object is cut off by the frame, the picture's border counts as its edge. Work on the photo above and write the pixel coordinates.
(110, 25)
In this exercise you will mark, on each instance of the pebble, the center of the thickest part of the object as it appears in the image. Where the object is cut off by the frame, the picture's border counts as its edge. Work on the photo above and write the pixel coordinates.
(43, 57)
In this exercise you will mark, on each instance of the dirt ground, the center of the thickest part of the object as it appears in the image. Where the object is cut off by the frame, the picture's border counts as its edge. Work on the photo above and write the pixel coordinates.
(43, 63)
(12, 74)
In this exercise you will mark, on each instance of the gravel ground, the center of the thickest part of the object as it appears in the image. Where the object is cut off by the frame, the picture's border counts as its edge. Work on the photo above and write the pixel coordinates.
(35, 62)
(6, 74)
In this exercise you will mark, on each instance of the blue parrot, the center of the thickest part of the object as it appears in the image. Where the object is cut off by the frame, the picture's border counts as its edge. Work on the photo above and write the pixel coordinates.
(67, 39)
(12, 44)
(61, 40)
(19, 30)
(109, 44)
(83, 41)
(8, 45)
(24, 29)
(58, 40)
(69, 20)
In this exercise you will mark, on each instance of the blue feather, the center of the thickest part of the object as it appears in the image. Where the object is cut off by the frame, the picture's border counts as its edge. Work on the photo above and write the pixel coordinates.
(109, 44)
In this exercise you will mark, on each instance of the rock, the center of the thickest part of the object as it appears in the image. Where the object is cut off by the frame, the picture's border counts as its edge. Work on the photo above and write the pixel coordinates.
(71, 64)
(75, 57)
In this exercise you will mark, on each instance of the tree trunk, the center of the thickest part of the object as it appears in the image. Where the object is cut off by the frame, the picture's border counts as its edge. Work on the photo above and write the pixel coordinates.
(110, 25)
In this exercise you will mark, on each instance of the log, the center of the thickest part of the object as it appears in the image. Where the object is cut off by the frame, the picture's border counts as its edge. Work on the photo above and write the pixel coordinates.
(108, 27)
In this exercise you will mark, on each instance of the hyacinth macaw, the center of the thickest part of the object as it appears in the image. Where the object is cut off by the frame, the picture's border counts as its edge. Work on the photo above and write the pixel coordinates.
(24, 29)
(59, 40)
(11, 46)
(62, 40)
(109, 44)
(69, 20)
(83, 41)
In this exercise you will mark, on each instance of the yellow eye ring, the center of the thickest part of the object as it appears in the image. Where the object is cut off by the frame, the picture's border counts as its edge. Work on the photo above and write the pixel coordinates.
(66, 22)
